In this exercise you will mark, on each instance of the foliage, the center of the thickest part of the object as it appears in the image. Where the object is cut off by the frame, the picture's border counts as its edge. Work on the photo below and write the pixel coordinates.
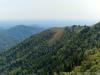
(73, 49)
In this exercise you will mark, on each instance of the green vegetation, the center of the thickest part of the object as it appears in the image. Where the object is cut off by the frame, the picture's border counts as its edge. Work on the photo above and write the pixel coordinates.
(10, 37)
(57, 51)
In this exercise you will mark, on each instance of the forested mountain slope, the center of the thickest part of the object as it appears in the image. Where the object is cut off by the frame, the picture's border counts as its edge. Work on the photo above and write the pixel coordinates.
(52, 51)
(89, 66)
(14, 35)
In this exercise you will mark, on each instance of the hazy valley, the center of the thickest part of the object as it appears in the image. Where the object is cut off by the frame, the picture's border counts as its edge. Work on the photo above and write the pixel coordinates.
(14, 35)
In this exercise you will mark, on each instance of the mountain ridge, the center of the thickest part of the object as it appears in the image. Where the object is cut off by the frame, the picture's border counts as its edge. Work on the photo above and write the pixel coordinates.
(36, 55)
(14, 35)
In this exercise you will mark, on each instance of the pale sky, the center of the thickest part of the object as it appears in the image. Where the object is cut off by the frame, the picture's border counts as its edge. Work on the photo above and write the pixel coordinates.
(49, 9)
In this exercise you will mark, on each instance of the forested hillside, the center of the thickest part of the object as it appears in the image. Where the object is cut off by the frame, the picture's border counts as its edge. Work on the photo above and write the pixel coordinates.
(54, 51)
(10, 37)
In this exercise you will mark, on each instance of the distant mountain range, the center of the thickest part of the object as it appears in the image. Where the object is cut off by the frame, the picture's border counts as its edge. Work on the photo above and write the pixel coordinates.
(12, 36)
(55, 51)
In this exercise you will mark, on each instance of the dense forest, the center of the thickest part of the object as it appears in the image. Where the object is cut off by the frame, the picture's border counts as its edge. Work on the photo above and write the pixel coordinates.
(55, 51)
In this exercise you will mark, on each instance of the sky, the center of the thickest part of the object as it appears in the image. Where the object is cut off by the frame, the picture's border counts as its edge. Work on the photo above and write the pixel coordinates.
(49, 10)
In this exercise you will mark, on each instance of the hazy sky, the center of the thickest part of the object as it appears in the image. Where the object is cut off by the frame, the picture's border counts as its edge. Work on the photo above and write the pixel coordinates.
(49, 9)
